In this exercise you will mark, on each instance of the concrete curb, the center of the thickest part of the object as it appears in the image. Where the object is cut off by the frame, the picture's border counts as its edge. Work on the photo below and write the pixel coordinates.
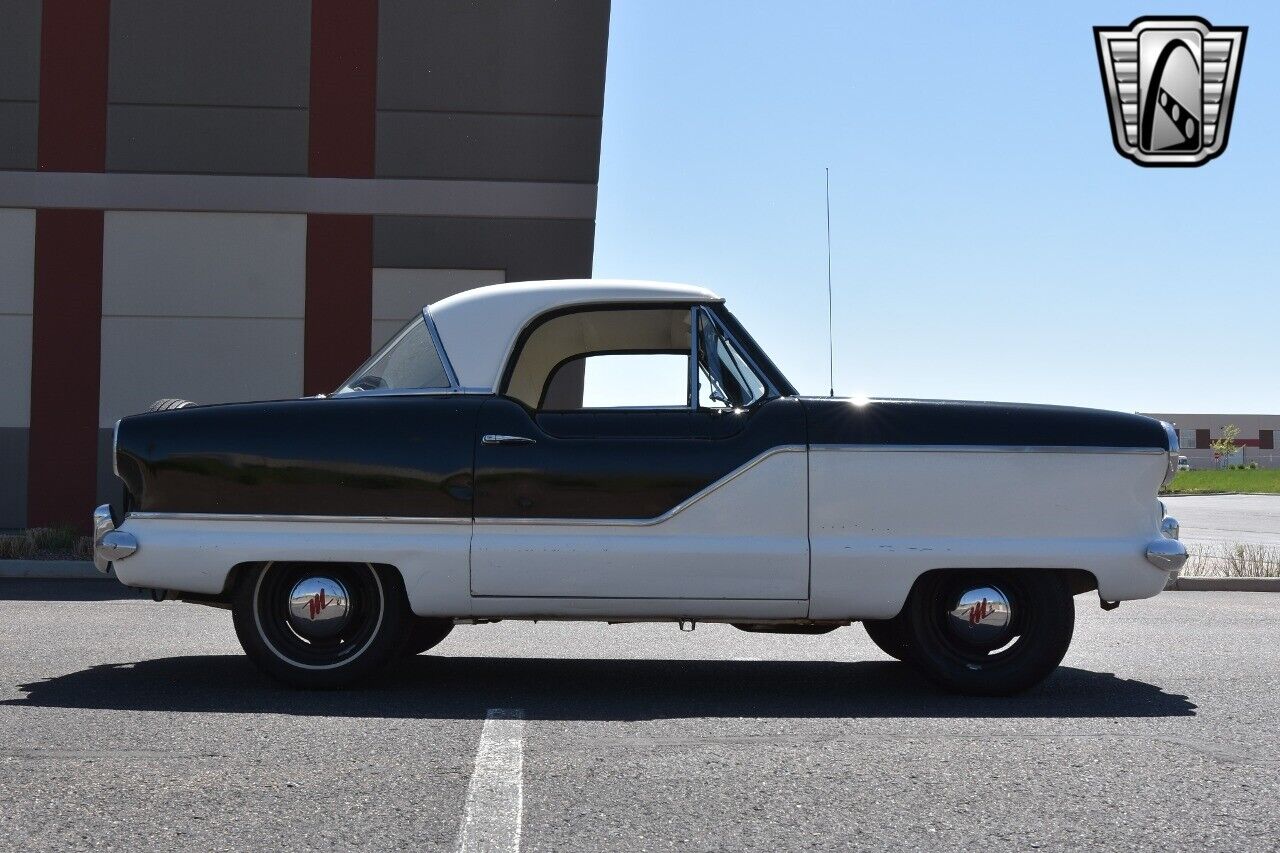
(50, 570)
(1216, 494)
(1225, 585)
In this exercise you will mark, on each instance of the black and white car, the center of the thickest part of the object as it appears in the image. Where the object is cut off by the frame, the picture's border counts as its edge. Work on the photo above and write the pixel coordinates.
(458, 477)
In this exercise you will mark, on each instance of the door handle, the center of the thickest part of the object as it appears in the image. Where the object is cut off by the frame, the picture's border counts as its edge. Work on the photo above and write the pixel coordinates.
(506, 439)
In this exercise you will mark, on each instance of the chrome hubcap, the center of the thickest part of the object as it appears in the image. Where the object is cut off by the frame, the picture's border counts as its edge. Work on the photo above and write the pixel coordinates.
(319, 608)
(981, 616)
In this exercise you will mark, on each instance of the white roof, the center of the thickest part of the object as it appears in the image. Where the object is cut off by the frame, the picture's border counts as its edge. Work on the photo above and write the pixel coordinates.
(478, 328)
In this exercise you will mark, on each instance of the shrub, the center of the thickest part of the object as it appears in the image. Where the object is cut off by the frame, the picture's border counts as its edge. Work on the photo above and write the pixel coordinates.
(1238, 560)
(46, 542)
(16, 547)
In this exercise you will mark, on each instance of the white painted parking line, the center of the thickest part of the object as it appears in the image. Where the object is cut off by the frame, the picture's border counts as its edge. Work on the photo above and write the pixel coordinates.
(495, 796)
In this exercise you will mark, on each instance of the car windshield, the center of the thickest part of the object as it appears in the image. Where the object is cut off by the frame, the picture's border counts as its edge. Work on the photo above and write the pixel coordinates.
(409, 360)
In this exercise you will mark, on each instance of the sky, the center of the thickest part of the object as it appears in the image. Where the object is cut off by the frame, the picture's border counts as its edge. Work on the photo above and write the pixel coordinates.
(988, 242)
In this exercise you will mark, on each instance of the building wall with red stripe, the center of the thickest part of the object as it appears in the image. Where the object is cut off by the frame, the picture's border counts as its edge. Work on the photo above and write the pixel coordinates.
(67, 294)
(240, 200)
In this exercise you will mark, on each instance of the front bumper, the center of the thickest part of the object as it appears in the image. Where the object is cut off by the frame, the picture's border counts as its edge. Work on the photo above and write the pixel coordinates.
(1167, 553)
(109, 544)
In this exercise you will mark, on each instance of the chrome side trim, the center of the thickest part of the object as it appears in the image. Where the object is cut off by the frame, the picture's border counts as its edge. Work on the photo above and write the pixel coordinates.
(326, 519)
(658, 519)
(980, 448)
(444, 356)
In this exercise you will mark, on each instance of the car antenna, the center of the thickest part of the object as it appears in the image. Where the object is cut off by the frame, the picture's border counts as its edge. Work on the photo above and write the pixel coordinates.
(831, 341)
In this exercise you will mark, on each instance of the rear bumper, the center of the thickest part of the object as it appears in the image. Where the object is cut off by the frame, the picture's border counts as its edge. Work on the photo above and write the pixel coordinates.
(1167, 553)
(109, 544)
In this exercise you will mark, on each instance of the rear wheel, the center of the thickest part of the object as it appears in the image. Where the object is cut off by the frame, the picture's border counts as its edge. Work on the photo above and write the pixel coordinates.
(887, 635)
(989, 633)
(321, 625)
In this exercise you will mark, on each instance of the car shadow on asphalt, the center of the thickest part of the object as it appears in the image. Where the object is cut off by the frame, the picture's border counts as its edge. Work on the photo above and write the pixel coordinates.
(65, 589)
(439, 687)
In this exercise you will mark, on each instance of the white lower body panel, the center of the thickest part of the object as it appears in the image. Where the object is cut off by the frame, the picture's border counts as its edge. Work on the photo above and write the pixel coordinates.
(881, 517)
(744, 538)
(197, 555)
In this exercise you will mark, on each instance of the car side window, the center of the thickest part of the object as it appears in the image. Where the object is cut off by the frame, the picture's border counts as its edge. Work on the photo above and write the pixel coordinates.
(604, 358)
(409, 360)
(625, 380)
(725, 377)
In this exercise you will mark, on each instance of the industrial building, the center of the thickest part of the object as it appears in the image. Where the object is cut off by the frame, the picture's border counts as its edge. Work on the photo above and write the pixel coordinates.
(1256, 441)
(235, 199)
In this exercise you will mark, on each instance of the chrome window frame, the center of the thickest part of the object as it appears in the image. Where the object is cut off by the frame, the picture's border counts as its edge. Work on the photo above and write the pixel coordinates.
(693, 357)
(449, 372)
(770, 390)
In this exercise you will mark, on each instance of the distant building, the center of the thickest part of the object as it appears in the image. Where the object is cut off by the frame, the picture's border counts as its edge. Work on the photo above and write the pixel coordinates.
(1255, 443)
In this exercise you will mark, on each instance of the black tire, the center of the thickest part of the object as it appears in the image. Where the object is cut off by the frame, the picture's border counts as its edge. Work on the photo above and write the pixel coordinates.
(425, 634)
(374, 629)
(1041, 621)
(169, 404)
(887, 635)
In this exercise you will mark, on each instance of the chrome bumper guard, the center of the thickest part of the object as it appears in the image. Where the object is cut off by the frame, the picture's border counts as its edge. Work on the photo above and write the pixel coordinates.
(1167, 553)
(108, 543)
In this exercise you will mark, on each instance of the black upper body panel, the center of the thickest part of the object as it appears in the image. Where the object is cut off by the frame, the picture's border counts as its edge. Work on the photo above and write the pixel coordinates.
(951, 422)
(364, 455)
(414, 455)
(633, 464)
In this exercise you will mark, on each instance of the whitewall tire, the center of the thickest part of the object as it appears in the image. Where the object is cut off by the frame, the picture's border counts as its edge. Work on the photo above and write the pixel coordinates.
(321, 625)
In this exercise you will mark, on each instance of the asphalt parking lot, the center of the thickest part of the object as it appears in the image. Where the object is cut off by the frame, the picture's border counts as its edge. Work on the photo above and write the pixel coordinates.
(1227, 519)
(128, 724)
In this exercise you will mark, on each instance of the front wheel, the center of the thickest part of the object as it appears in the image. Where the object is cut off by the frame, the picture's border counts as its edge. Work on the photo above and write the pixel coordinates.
(425, 634)
(321, 625)
(989, 633)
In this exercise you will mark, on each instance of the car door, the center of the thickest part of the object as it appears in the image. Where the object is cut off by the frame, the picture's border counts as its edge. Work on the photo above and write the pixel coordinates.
(697, 501)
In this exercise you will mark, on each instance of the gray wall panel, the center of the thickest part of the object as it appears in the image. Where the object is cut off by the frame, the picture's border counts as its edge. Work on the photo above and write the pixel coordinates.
(157, 264)
(19, 50)
(13, 490)
(528, 249)
(508, 148)
(225, 52)
(298, 194)
(209, 140)
(18, 123)
(535, 56)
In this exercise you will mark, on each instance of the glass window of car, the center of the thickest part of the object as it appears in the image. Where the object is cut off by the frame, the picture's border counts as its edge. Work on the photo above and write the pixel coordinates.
(614, 348)
(408, 360)
(725, 377)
